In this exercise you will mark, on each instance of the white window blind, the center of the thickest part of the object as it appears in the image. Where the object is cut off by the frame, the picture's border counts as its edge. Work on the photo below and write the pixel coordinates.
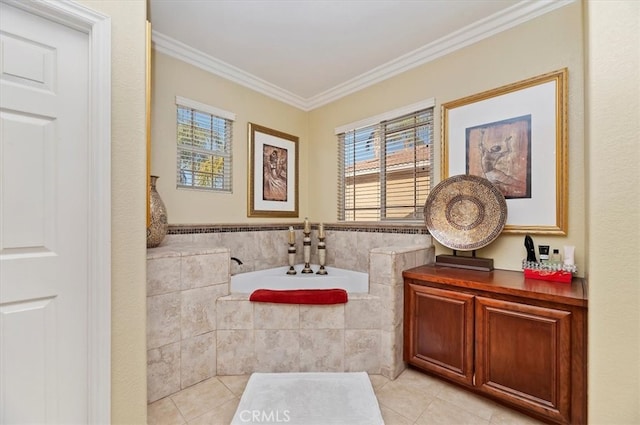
(385, 169)
(204, 143)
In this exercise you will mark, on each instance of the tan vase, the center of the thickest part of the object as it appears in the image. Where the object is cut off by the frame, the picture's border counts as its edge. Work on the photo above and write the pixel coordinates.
(159, 224)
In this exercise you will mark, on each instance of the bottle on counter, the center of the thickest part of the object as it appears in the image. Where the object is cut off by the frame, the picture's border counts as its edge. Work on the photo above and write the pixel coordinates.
(555, 257)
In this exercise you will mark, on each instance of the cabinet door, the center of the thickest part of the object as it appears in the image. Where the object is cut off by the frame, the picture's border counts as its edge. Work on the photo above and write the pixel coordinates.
(440, 332)
(523, 355)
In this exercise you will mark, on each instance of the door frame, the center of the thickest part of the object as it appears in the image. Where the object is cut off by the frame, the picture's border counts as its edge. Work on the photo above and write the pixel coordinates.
(98, 29)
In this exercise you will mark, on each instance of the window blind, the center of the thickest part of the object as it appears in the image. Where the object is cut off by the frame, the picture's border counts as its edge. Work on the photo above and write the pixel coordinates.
(385, 169)
(204, 148)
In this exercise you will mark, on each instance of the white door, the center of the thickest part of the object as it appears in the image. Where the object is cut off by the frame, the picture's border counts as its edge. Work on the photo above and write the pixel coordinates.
(44, 196)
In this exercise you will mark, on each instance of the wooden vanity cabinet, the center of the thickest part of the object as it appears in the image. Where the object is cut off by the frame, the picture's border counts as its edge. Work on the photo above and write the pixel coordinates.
(441, 331)
(519, 341)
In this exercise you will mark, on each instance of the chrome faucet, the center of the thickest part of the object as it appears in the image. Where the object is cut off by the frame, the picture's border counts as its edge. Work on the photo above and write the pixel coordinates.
(236, 260)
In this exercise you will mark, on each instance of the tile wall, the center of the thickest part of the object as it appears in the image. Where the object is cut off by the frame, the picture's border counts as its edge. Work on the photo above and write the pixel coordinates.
(196, 330)
(182, 286)
(265, 246)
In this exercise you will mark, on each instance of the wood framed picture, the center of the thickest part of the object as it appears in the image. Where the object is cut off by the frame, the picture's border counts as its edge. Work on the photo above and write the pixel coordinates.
(273, 173)
(516, 137)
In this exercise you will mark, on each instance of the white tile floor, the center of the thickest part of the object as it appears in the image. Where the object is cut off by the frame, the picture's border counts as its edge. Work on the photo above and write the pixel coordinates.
(413, 398)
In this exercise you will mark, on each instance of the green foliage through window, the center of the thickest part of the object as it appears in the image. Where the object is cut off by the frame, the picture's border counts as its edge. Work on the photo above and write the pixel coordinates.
(204, 150)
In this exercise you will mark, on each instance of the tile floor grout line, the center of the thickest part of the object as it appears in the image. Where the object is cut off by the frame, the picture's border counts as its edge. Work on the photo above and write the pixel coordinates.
(184, 420)
(400, 414)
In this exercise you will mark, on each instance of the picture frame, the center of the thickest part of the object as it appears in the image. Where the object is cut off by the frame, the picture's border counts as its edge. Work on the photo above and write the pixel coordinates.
(273, 173)
(516, 137)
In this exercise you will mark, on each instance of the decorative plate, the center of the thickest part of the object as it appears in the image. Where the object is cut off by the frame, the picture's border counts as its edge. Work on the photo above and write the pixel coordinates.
(465, 212)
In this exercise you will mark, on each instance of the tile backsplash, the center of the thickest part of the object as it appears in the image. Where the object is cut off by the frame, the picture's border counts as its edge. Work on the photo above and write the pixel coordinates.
(265, 246)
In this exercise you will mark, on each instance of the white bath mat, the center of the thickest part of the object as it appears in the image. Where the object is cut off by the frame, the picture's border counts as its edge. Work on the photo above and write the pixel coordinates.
(309, 399)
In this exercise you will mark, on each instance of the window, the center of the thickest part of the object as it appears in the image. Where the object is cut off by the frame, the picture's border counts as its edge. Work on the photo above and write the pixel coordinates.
(204, 146)
(385, 167)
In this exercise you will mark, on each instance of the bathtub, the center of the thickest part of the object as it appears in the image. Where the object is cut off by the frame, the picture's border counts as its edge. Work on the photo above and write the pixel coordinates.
(277, 278)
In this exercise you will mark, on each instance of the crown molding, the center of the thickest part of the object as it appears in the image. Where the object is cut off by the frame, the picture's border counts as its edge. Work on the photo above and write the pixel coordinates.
(466, 36)
(501, 21)
(181, 51)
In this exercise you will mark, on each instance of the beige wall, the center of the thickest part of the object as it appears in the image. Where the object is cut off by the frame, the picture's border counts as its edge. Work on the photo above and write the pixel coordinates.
(128, 210)
(613, 128)
(551, 42)
(548, 43)
(173, 78)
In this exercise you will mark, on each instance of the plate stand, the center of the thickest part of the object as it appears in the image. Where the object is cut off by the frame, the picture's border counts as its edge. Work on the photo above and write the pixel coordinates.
(465, 262)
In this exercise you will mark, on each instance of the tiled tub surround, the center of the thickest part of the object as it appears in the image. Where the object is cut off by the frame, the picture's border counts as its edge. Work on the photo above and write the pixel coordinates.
(182, 286)
(265, 246)
(365, 334)
(196, 329)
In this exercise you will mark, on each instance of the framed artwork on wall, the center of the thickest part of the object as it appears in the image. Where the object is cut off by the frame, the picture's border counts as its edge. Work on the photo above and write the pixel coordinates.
(273, 173)
(516, 137)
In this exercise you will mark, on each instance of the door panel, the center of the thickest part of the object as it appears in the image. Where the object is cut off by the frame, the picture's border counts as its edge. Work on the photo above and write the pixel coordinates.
(27, 149)
(28, 350)
(442, 334)
(524, 354)
(44, 236)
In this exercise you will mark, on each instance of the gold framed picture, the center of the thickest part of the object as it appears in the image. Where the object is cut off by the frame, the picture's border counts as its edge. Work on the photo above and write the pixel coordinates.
(273, 173)
(516, 137)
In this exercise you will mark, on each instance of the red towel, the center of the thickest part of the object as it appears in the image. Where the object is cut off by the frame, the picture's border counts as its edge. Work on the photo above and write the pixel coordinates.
(300, 296)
